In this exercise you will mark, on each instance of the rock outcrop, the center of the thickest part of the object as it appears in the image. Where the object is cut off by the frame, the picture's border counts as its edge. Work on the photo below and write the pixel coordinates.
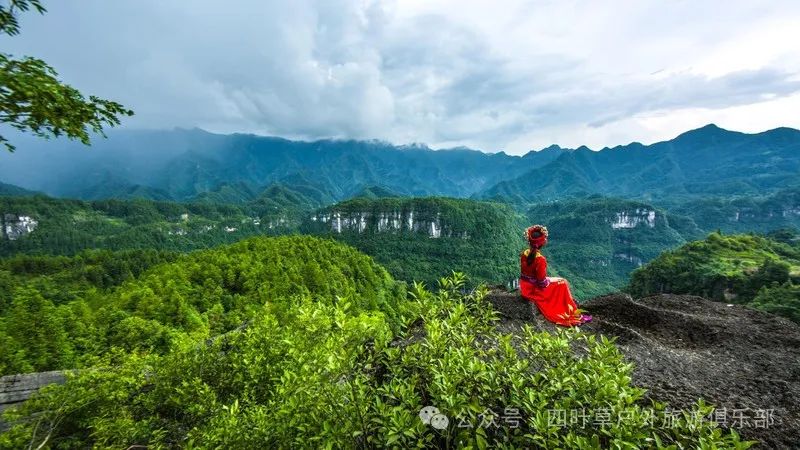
(743, 361)
(15, 389)
(395, 221)
(15, 226)
(634, 218)
(633, 259)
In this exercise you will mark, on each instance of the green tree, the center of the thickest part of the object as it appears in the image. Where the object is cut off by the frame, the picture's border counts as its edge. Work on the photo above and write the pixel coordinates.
(32, 99)
(35, 324)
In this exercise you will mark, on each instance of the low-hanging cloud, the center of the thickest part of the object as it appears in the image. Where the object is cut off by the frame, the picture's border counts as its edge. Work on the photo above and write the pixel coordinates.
(396, 71)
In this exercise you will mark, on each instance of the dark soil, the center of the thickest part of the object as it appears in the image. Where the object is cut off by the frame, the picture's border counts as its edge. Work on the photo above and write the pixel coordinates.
(685, 348)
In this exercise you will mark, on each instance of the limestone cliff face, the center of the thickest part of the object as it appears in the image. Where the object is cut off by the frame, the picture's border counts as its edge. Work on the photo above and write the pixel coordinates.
(627, 221)
(633, 259)
(15, 389)
(15, 226)
(395, 221)
(634, 218)
(748, 214)
(788, 212)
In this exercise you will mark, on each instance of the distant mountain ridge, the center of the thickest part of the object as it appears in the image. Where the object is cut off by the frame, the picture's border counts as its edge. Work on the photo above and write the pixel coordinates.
(184, 164)
(701, 162)
(9, 190)
(190, 164)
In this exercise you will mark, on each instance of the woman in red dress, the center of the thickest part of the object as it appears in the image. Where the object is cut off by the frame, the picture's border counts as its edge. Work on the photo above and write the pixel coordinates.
(551, 295)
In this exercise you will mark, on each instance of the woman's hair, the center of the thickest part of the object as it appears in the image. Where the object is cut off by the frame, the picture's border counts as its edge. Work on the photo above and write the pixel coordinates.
(531, 255)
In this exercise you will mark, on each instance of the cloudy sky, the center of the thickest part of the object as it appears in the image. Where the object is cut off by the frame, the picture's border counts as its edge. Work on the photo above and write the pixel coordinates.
(509, 75)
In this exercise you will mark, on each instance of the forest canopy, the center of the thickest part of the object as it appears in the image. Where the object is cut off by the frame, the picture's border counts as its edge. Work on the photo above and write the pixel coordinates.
(62, 312)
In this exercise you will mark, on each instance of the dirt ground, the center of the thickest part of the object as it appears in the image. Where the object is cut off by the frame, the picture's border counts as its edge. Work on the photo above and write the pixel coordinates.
(684, 348)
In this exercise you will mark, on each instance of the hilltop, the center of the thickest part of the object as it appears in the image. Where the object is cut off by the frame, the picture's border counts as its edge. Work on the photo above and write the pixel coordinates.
(355, 374)
(9, 190)
(423, 239)
(100, 304)
(743, 361)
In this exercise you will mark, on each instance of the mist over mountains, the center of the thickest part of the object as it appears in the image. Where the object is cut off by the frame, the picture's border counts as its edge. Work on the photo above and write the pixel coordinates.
(184, 164)
(181, 164)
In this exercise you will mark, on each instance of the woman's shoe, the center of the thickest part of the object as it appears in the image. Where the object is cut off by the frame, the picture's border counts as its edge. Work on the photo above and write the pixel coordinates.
(585, 318)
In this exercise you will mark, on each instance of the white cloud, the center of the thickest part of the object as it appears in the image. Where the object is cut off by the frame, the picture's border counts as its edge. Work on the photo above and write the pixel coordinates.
(509, 74)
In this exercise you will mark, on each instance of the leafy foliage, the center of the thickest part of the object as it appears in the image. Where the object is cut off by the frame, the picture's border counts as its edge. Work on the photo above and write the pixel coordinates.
(33, 99)
(8, 18)
(329, 375)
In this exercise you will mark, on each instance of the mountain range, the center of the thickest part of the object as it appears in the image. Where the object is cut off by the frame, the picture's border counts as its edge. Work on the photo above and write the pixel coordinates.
(193, 164)
(702, 162)
(183, 164)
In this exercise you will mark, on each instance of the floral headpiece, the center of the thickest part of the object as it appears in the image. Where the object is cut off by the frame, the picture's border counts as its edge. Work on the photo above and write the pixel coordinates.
(536, 235)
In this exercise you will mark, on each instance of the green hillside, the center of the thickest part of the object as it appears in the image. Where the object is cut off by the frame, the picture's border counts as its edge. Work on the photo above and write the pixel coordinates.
(65, 227)
(416, 239)
(376, 192)
(9, 190)
(752, 213)
(596, 242)
(60, 312)
(747, 269)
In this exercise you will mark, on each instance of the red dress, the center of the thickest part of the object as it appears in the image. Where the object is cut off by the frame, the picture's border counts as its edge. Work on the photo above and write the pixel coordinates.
(551, 295)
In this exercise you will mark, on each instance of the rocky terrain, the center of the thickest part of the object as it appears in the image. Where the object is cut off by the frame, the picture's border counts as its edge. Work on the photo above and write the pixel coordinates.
(743, 361)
